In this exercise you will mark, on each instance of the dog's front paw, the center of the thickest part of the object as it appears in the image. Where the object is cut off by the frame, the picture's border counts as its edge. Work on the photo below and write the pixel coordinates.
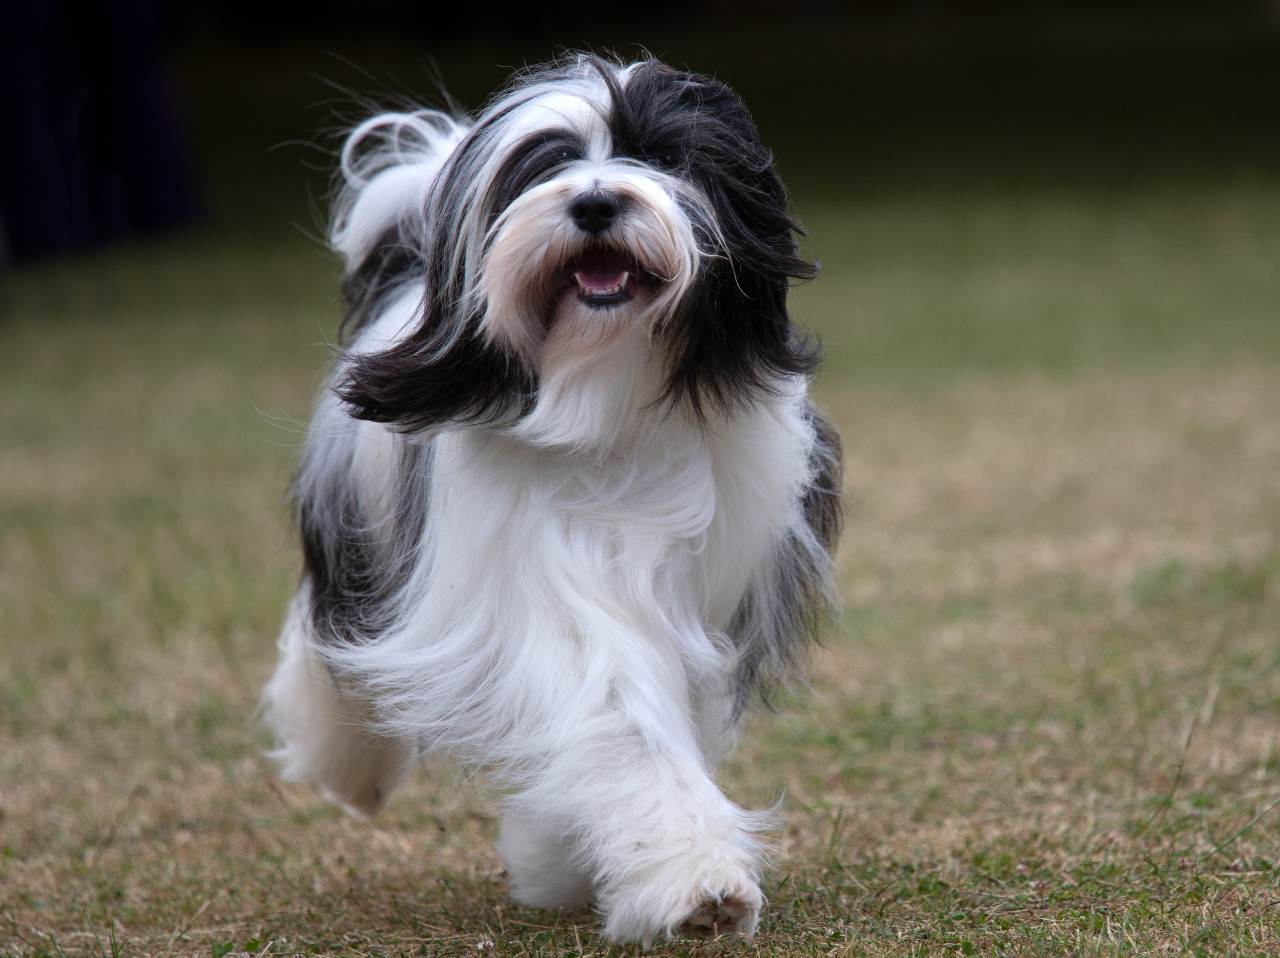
(683, 900)
(734, 913)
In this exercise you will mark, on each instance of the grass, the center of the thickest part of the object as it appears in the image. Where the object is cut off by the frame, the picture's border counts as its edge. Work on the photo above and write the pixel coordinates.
(1049, 722)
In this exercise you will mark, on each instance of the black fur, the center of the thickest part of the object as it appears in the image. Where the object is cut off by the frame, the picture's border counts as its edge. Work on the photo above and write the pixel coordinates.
(422, 382)
(822, 502)
(354, 570)
(440, 374)
(732, 338)
(778, 620)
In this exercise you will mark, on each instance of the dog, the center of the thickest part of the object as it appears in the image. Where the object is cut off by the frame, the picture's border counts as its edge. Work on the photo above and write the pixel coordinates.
(566, 510)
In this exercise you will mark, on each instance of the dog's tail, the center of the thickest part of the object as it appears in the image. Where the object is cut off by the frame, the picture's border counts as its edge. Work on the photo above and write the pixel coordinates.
(387, 169)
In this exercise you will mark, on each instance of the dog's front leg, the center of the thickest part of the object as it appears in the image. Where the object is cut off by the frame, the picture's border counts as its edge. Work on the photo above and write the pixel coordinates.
(666, 851)
(671, 853)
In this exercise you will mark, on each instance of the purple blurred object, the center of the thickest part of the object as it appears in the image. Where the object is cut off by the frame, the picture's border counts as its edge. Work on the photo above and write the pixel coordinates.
(94, 150)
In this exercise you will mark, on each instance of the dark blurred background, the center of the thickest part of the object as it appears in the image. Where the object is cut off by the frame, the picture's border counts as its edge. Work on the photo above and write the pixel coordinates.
(133, 118)
(1050, 311)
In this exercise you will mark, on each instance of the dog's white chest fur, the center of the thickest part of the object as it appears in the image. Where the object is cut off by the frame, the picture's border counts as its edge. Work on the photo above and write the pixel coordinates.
(664, 529)
(575, 560)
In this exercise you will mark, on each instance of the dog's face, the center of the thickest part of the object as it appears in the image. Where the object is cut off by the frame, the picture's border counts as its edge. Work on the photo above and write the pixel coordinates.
(591, 204)
(587, 233)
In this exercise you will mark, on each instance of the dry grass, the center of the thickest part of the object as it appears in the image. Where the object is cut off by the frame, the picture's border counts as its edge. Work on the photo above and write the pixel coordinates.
(1049, 723)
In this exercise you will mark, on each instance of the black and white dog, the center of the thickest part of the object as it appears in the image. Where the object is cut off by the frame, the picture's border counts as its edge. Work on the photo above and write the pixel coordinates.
(565, 505)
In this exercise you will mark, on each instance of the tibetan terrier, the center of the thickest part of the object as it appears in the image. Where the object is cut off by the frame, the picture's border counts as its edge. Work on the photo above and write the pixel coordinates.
(565, 507)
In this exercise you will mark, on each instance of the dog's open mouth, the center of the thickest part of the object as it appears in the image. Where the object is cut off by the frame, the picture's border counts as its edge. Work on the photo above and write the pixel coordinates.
(604, 277)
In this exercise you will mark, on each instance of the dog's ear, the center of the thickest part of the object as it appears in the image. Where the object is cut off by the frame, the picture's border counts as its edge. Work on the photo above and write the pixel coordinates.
(734, 337)
(405, 211)
(446, 372)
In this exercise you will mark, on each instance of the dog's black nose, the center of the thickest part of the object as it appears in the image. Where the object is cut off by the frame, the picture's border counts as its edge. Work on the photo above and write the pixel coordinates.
(594, 212)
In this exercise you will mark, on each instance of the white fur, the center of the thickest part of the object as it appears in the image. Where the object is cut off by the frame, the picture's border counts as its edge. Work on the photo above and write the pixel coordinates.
(388, 164)
(563, 625)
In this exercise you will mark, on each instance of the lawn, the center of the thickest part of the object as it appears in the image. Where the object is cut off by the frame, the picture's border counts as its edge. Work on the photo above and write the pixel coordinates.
(1048, 722)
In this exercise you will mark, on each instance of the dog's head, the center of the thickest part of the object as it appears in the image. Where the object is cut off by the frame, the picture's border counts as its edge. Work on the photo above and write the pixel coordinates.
(593, 208)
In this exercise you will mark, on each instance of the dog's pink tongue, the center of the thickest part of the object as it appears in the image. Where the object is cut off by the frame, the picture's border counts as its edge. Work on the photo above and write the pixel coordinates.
(600, 281)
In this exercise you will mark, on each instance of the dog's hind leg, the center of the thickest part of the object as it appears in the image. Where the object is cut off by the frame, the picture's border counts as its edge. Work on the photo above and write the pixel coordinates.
(323, 733)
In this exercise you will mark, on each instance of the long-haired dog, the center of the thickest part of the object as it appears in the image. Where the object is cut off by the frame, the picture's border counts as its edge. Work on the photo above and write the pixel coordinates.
(565, 507)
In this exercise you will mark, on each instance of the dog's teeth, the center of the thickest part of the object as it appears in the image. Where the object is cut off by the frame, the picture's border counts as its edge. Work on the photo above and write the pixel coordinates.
(593, 289)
